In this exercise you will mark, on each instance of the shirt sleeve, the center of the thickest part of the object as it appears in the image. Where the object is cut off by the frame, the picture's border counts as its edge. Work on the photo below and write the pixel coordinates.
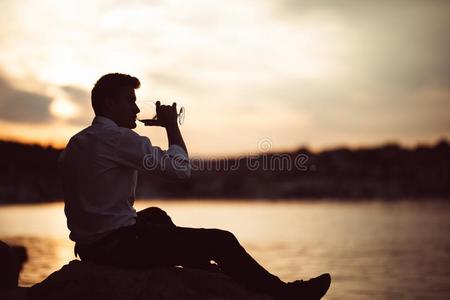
(137, 152)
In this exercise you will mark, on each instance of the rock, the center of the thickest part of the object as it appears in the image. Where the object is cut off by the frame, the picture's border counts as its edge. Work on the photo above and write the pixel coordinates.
(17, 293)
(10, 267)
(84, 280)
(11, 260)
(21, 254)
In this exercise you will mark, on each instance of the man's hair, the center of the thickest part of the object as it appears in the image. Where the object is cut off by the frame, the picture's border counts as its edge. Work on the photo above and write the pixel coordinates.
(108, 86)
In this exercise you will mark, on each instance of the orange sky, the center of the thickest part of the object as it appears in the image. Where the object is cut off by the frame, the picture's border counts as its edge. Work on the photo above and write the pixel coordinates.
(279, 72)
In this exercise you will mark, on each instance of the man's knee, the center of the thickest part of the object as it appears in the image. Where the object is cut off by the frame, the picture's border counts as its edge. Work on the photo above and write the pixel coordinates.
(224, 236)
(155, 216)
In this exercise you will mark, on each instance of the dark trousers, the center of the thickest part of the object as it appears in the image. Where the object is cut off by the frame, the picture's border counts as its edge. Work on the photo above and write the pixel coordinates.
(155, 241)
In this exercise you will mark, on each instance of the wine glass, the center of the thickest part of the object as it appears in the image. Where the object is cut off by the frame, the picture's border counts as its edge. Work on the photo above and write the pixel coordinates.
(148, 111)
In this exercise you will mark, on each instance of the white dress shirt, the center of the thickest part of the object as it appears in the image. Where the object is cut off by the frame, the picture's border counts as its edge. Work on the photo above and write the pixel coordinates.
(99, 172)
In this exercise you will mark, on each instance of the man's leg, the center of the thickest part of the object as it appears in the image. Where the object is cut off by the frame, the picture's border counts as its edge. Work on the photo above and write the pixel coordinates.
(185, 244)
(223, 248)
(119, 247)
(151, 246)
(145, 245)
(154, 216)
(201, 246)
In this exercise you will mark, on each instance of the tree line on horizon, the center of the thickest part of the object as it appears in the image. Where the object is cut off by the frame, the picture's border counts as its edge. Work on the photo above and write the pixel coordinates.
(29, 174)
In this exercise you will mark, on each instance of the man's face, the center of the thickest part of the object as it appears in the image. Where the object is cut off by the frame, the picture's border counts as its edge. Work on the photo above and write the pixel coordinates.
(125, 108)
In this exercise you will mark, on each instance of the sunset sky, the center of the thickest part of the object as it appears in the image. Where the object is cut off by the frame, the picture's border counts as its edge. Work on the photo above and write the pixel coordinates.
(290, 73)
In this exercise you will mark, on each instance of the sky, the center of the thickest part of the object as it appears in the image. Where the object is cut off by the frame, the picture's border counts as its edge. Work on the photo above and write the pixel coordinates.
(253, 75)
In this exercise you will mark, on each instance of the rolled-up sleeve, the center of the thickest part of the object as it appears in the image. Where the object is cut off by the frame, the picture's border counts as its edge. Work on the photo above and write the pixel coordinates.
(137, 152)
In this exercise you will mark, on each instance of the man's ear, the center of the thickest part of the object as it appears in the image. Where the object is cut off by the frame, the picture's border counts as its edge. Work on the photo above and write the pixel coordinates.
(109, 104)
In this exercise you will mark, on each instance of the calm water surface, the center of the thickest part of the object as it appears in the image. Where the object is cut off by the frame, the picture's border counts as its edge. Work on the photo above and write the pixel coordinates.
(374, 250)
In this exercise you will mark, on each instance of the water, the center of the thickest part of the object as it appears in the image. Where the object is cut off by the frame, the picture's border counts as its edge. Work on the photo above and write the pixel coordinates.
(374, 250)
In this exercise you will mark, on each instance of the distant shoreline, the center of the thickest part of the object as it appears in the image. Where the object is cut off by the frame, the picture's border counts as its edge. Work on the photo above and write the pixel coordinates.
(257, 200)
(29, 174)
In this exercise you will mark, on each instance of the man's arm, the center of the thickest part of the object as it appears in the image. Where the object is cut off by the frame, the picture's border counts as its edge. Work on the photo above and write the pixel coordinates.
(174, 136)
(137, 152)
(167, 117)
(175, 160)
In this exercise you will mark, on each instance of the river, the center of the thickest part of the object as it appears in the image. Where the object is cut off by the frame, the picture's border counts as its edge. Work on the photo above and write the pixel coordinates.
(373, 249)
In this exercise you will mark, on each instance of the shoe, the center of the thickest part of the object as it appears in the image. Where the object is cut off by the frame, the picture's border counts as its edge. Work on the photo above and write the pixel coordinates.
(313, 289)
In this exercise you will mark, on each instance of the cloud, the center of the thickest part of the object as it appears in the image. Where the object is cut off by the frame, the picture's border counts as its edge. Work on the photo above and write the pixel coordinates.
(395, 43)
(81, 98)
(394, 71)
(22, 106)
(324, 70)
(76, 94)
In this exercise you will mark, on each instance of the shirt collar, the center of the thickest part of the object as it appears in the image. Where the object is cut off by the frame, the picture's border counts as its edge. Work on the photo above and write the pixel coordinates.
(103, 121)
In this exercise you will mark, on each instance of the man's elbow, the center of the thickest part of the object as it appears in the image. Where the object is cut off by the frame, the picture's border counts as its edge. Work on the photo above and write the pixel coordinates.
(183, 173)
(181, 168)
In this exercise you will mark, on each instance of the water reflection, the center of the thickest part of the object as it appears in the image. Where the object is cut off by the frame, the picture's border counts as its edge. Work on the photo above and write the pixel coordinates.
(375, 250)
(45, 255)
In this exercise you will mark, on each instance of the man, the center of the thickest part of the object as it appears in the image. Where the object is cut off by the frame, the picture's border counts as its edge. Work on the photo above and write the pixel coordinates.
(99, 168)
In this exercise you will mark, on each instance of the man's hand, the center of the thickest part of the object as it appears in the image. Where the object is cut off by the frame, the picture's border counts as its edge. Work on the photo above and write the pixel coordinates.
(166, 116)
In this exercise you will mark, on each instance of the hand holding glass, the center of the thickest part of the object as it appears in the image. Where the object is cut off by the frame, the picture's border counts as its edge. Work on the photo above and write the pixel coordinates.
(148, 113)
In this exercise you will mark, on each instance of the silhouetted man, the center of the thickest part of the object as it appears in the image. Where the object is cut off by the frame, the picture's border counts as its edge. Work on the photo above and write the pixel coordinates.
(99, 168)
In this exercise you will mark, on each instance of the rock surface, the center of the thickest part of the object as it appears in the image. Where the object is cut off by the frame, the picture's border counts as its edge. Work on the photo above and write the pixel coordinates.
(9, 266)
(84, 280)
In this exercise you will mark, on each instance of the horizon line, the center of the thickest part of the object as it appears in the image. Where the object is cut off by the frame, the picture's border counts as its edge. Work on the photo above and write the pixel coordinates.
(300, 147)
